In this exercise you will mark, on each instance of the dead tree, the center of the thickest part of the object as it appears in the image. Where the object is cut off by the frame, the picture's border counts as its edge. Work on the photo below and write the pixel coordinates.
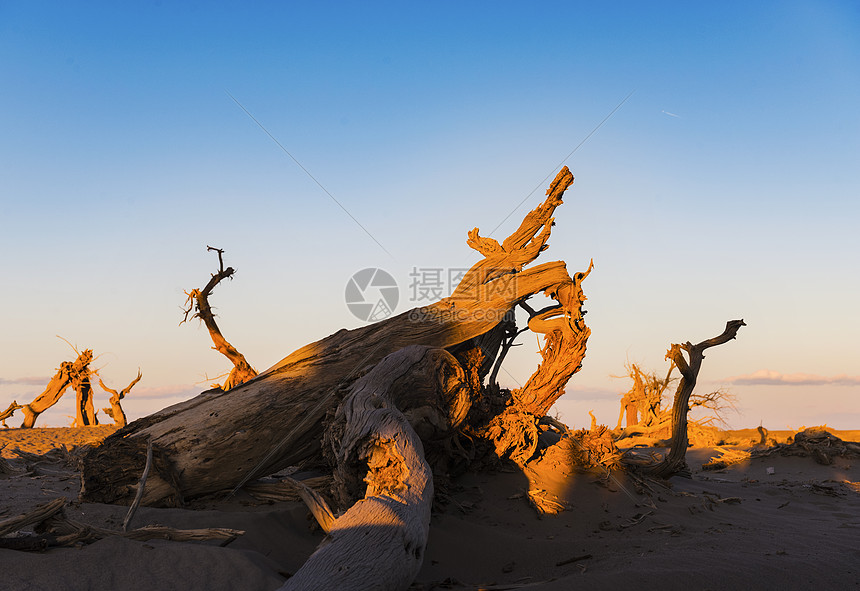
(220, 440)
(71, 373)
(9, 411)
(115, 410)
(198, 302)
(675, 461)
(641, 404)
(85, 414)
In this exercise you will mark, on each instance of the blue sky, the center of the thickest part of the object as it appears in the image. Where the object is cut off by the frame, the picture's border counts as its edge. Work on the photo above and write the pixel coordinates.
(724, 187)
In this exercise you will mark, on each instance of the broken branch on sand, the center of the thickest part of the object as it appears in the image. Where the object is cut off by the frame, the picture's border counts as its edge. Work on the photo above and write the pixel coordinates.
(140, 487)
(53, 528)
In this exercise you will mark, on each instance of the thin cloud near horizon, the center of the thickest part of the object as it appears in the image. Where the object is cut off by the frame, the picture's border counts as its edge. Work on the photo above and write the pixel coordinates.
(147, 392)
(581, 393)
(28, 381)
(767, 377)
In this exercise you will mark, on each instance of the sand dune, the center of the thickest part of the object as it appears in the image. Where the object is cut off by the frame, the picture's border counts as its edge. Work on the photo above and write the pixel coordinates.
(768, 523)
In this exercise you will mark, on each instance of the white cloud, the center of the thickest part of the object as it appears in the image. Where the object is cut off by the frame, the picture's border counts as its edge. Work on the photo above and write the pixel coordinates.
(767, 377)
(30, 381)
(583, 393)
(164, 392)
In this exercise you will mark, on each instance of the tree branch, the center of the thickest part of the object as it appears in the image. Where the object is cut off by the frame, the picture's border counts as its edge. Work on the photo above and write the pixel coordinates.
(519, 249)
(9, 411)
(565, 337)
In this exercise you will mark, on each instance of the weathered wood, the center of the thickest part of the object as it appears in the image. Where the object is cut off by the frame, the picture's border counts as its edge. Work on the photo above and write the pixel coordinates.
(115, 410)
(763, 433)
(221, 440)
(141, 486)
(9, 411)
(33, 543)
(85, 414)
(514, 431)
(565, 337)
(287, 489)
(70, 531)
(70, 373)
(55, 529)
(37, 515)
(316, 503)
(379, 542)
(675, 461)
(642, 402)
(426, 385)
(5, 466)
(198, 301)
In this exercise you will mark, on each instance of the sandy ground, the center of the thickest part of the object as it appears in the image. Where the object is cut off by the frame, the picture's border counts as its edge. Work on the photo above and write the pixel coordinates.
(770, 523)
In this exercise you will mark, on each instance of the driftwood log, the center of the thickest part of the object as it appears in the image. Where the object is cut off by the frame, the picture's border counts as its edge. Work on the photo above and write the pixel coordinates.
(222, 439)
(53, 528)
(379, 542)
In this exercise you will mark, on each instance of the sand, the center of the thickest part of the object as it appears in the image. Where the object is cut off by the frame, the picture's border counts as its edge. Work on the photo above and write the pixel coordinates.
(796, 526)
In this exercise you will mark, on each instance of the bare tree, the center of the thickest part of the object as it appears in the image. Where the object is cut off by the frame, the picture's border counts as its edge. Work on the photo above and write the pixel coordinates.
(689, 366)
(198, 302)
(643, 403)
(70, 373)
(115, 410)
(9, 412)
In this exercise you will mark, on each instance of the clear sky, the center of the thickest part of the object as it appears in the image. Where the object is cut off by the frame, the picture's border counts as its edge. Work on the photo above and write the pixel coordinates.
(725, 187)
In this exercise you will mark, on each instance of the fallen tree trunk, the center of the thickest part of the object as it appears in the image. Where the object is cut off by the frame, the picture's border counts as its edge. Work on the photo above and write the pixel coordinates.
(221, 440)
(379, 542)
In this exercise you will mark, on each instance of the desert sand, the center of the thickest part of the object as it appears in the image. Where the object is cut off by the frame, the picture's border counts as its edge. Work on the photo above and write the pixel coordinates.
(774, 522)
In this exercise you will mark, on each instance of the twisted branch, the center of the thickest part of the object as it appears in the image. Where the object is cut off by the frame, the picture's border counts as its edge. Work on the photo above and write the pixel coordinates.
(115, 411)
(198, 303)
